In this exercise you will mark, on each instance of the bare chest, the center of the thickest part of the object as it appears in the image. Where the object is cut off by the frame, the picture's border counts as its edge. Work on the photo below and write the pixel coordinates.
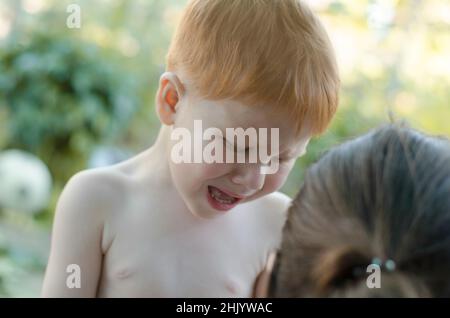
(165, 258)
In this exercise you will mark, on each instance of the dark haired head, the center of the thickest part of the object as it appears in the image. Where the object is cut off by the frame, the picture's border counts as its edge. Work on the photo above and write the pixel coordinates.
(384, 195)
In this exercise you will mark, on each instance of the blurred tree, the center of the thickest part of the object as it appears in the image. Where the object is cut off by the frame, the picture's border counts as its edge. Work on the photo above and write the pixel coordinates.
(393, 59)
(61, 98)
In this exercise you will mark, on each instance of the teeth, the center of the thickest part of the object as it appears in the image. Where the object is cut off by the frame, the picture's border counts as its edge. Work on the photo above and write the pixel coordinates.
(221, 197)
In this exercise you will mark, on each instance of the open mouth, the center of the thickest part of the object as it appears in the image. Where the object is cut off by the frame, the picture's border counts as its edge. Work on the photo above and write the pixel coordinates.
(221, 200)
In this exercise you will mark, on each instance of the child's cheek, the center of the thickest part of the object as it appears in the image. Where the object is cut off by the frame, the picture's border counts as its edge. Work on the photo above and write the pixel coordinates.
(213, 170)
(276, 181)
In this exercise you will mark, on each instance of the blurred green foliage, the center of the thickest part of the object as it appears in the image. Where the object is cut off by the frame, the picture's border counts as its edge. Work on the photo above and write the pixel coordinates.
(394, 65)
(62, 96)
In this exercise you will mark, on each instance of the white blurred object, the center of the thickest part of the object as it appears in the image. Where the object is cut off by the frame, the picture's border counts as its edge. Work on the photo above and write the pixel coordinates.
(25, 182)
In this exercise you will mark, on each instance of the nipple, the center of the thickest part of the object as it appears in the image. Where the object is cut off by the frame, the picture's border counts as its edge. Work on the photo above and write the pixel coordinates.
(123, 273)
(232, 286)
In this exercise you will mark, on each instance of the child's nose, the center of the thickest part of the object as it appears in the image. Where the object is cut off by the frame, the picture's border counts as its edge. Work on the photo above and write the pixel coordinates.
(249, 176)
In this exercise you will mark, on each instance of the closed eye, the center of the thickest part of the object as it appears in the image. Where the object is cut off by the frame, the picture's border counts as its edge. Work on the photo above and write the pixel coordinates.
(235, 148)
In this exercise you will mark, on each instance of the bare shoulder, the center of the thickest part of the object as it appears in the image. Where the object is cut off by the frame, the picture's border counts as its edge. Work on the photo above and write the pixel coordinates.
(80, 234)
(89, 204)
(273, 206)
(90, 198)
(94, 189)
(277, 202)
(271, 210)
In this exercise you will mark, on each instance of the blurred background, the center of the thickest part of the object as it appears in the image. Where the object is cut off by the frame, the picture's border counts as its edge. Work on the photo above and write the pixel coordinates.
(77, 98)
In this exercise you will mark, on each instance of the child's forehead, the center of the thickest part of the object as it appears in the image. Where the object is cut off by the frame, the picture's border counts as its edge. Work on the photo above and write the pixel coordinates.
(234, 114)
(231, 115)
(244, 114)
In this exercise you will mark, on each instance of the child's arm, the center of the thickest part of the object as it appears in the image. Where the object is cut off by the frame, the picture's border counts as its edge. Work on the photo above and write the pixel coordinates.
(76, 239)
(262, 282)
(278, 203)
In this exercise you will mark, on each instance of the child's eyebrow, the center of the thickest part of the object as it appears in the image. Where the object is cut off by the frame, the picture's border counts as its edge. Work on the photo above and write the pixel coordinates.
(288, 154)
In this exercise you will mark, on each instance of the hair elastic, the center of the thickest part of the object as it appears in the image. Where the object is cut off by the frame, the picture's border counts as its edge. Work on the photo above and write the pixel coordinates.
(388, 265)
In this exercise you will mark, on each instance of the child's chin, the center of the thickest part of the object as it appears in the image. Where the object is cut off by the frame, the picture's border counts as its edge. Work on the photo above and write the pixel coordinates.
(205, 214)
(202, 211)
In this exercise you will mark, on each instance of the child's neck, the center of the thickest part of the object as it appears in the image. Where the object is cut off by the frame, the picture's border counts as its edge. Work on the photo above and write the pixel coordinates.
(156, 164)
(159, 155)
(152, 165)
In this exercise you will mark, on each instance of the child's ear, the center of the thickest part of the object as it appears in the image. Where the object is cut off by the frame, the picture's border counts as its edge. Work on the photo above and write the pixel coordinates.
(169, 93)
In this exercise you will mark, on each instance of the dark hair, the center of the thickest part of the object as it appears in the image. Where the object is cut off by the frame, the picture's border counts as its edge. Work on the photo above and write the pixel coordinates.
(386, 195)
